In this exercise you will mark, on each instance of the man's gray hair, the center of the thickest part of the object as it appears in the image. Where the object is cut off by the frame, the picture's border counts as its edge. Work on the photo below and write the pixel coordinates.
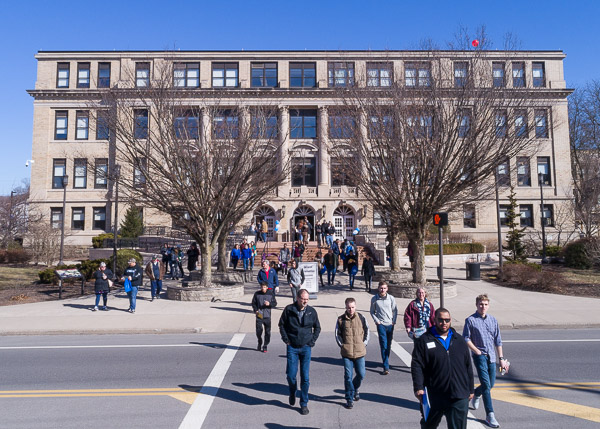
(132, 260)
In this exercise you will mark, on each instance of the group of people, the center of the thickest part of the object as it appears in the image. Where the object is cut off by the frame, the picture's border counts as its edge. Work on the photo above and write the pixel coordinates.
(172, 259)
(441, 368)
(246, 252)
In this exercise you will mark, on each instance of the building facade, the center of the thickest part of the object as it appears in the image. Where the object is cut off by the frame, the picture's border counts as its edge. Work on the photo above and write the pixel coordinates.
(66, 142)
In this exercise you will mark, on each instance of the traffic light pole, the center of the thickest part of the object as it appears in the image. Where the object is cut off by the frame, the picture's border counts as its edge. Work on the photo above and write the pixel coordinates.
(441, 275)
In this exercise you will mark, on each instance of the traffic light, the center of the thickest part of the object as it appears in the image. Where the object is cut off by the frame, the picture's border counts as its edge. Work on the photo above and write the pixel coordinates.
(440, 219)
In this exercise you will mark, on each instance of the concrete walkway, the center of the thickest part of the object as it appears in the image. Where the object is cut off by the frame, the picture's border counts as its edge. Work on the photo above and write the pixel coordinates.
(513, 309)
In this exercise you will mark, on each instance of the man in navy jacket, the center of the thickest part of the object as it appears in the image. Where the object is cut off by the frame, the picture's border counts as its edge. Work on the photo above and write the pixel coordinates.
(268, 275)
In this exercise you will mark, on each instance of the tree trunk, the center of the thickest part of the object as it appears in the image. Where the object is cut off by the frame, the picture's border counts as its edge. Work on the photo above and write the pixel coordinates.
(419, 275)
(223, 260)
(394, 236)
(206, 260)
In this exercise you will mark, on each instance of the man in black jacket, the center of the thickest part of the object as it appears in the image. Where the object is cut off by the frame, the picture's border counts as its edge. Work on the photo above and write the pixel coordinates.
(299, 328)
(441, 362)
(135, 275)
(262, 303)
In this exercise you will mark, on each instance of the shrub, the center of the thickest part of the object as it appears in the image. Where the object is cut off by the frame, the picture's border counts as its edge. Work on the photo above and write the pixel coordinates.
(98, 240)
(530, 274)
(455, 248)
(2, 256)
(552, 251)
(87, 267)
(123, 255)
(47, 276)
(576, 255)
(16, 255)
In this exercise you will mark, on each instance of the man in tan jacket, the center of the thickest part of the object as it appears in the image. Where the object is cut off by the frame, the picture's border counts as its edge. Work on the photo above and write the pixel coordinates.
(156, 272)
(352, 335)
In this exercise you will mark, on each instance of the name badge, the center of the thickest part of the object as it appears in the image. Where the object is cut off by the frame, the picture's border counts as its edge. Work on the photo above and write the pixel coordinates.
(431, 345)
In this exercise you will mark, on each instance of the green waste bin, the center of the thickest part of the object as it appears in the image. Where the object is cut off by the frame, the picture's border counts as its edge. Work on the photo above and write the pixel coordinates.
(473, 271)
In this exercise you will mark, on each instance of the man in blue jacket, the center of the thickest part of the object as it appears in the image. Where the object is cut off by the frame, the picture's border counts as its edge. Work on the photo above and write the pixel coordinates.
(268, 275)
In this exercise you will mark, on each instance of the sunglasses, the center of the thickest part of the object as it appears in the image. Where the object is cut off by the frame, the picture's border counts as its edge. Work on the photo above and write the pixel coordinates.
(444, 320)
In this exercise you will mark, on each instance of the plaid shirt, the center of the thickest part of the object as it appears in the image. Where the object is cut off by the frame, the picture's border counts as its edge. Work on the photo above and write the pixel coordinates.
(484, 333)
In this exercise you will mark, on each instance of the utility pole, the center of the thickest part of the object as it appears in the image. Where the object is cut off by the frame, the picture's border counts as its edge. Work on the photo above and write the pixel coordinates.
(65, 182)
(116, 221)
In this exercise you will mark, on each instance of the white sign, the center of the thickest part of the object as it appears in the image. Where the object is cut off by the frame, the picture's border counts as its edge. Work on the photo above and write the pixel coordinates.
(311, 276)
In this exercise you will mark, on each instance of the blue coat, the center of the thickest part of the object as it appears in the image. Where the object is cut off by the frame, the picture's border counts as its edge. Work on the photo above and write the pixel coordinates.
(273, 280)
(246, 253)
(236, 253)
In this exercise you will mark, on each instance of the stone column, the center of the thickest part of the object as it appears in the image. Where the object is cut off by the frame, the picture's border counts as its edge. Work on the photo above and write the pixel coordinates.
(284, 142)
(205, 125)
(324, 180)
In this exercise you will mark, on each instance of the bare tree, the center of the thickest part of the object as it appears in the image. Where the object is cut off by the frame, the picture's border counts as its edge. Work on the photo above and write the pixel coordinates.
(584, 133)
(13, 215)
(432, 143)
(202, 157)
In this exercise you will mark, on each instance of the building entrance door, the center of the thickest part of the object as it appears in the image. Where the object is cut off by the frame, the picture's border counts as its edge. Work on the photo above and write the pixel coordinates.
(299, 214)
(344, 222)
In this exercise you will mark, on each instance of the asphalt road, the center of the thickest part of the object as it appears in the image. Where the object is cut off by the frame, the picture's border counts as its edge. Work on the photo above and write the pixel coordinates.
(135, 381)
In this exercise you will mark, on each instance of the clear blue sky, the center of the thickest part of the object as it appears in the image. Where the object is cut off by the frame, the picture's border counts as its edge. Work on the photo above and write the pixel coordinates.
(29, 26)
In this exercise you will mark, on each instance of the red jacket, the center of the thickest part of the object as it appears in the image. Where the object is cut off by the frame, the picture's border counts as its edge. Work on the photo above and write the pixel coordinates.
(411, 315)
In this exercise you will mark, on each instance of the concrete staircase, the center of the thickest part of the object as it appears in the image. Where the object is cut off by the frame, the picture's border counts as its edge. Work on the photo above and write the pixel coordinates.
(273, 247)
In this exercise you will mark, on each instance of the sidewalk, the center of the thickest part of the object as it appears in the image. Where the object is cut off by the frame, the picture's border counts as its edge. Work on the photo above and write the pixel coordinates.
(513, 309)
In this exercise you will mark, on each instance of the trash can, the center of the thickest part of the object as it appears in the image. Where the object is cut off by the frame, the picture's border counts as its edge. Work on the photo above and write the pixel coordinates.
(473, 271)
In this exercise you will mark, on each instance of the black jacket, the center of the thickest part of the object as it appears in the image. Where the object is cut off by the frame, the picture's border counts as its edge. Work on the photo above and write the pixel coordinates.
(296, 333)
(136, 273)
(368, 267)
(447, 374)
(101, 285)
(258, 303)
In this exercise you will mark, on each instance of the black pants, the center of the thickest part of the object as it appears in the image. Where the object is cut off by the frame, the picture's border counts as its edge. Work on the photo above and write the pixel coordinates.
(455, 411)
(368, 281)
(259, 330)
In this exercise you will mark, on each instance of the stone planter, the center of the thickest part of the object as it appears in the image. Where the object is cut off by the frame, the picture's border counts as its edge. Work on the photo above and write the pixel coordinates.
(228, 285)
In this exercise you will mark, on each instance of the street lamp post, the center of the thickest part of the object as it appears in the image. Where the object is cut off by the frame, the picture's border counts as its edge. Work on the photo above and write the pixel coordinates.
(541, 183)
(500, 254)
(65, 182)
(116, 221)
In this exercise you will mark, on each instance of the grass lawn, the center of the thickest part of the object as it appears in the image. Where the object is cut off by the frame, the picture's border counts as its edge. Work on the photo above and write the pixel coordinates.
(12, 276)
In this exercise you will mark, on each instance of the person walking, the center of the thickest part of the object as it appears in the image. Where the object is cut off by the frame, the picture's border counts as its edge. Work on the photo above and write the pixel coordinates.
(253, 248)
(173, 265)
(236, 254)
(284, 257)
(134, 274)
(352, 335)
(482, 334)
(262, 303)
(368, 271)
(384, 313)
(318, 234)
(442, 365)
(352, 263)
(330, 234)
(180, 256)
(299, 328)
(320, 267)
(329, 260)
(103, 279)
(156, 273)
(192, 254)
(165, 254)
(246, 256)
(297, 252)
(269, 276)
(264, 229)
(419, 315)
(295, 278)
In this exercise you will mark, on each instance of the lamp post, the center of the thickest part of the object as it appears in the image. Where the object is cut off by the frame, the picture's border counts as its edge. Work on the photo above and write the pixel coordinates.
(116, 221)
(500, 254)
(541, 183)
(65, 182)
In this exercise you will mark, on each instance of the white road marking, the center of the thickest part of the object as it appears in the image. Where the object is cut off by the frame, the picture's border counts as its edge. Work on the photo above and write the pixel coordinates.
(108, 346)
(194, 419)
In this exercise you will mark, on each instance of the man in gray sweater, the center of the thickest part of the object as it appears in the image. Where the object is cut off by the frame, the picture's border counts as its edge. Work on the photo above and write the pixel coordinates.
(384, 312)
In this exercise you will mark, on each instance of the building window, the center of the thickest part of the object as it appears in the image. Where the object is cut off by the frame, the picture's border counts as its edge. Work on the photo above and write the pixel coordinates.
(186, 75)
(225, 125)
(186, 125)
(56, 217)
(103, 75)
(379, 74)
(539, 76)
(501, 127)
(543, 168)
(264, 75)
(526, 211)
(101, 173)
(139, 172)
(303, 75)
(341, 126)
(518, 72)
(62, 123)
(503, 171)
(464, 123)
(102, 126)
(498, 75)
(469, 216)
(304, 172)
(303, 124)
(62, 76)
(340, 176)
(541, 124)
(548, 215)
(523, 171)
(417, 75)
(82, 125)
(140, 124)
(80, 173)
(521, 124)
(142, 75)
(420, 126)
(381, 126)
(83, 75)
(78, 218)
(59, 170)
(461, 74)
(378, 219)
(340, 74)
(503, 214)
(264, 126)
(224, 75)
(99, 218)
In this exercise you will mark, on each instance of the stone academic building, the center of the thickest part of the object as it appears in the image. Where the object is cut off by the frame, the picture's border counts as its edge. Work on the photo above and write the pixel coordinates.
(66, 142)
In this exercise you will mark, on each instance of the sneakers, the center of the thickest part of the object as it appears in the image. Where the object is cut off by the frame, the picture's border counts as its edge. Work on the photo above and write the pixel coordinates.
(259, 347)
(349, 405)
(95, 308)
(152, 299)
(491, 421)
(292, 399)
(105, 308)
(385, 372)
(304, 411)
(356, 396)
(475, 402)
(265, 349)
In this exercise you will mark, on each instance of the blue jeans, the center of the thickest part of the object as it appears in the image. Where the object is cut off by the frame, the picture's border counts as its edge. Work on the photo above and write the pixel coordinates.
(263, 236)
(329, 240)
(132, 297)
(351, 279)
(351, 385)
(104, 298)
(246, 263)
(386, 335)
(486, 371)
(294, 355)
(252, 263)
(330, 275)
(156, 286)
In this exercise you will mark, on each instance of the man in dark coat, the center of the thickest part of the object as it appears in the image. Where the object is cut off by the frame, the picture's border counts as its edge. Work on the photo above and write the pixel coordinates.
(262, 303)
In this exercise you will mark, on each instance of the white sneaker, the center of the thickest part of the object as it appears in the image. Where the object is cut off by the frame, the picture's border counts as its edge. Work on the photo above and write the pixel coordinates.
(475, 402)
(95, 308)
(491, 421)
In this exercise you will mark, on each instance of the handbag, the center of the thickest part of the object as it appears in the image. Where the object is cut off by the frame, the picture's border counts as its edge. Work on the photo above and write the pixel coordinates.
(127, 285)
